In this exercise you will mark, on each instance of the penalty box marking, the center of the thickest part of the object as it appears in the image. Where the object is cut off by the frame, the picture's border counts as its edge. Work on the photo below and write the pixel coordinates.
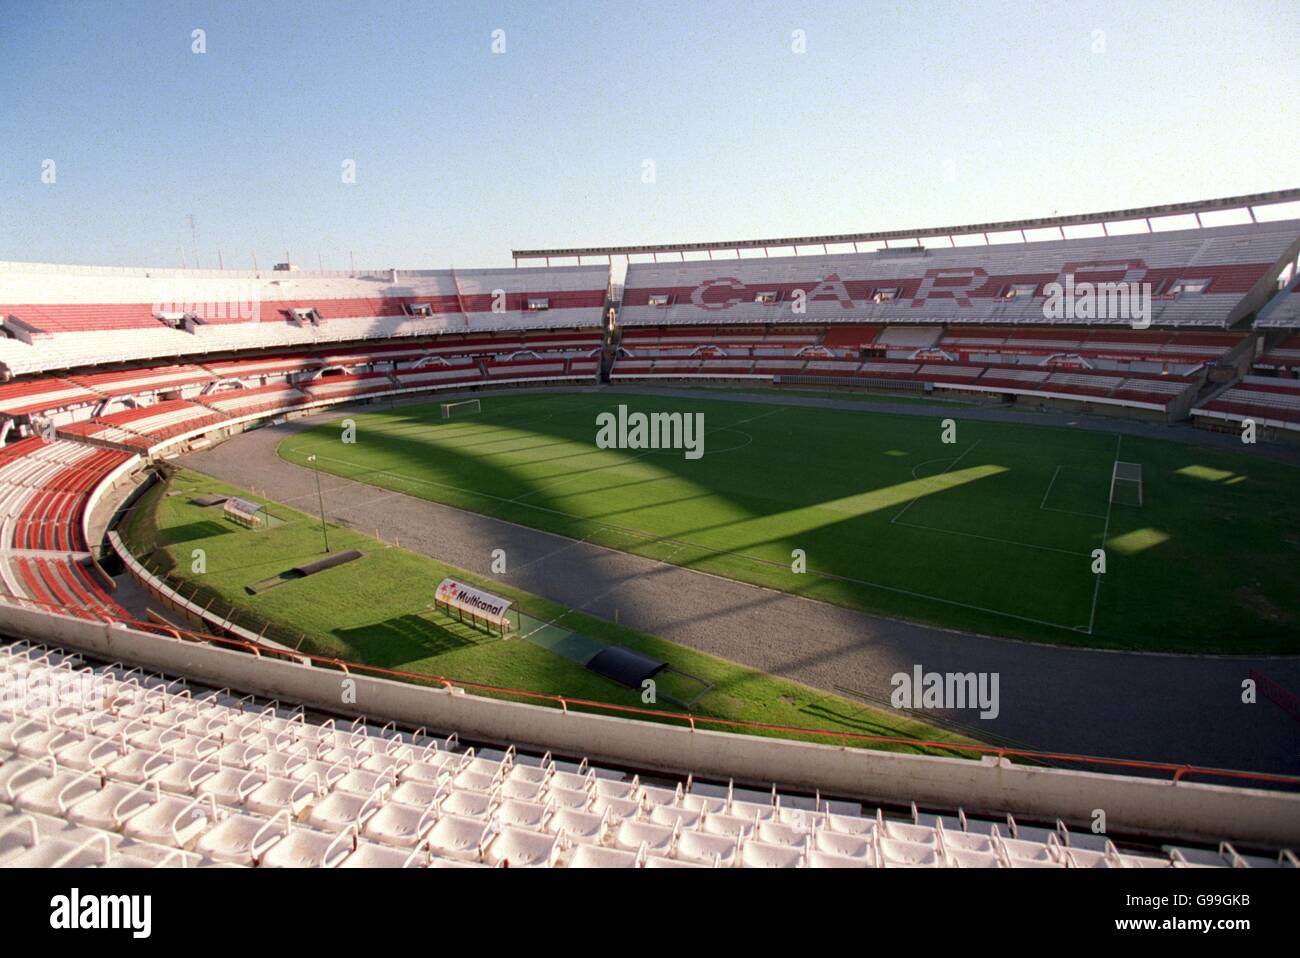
(1067, 512)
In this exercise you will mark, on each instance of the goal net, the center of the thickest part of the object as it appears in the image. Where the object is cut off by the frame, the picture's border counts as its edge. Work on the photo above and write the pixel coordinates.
(1126, 483)
(451, 409)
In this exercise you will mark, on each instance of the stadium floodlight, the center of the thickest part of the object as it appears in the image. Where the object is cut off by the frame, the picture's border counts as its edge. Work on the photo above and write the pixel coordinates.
(450, 409)
(324, 531)
(1126, 483)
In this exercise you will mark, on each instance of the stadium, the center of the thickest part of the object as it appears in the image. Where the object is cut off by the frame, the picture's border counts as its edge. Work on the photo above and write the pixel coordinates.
(950, 546)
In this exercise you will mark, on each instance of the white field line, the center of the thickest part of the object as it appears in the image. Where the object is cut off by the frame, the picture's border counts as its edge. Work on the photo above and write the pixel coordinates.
(969, 450)
(1105, 532)
(976, 535)
(1065, 512)
(1043, 504)
(1071, 512)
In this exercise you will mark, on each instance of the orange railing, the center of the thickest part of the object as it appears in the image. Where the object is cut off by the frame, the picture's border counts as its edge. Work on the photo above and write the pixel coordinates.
(1178, 772)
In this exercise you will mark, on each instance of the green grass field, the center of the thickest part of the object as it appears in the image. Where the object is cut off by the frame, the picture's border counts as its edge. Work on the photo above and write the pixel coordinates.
(993, 533)
(378, 611)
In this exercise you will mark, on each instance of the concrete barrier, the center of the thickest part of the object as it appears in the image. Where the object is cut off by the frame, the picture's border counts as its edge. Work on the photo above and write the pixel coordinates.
(174, 601)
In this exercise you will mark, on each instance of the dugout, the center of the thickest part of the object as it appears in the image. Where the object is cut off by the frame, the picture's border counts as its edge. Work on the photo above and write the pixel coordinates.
(251, 515)
(625, 666)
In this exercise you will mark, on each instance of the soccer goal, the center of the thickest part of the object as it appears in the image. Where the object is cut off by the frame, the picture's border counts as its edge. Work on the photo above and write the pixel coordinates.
(1126, 483)
(451, 409)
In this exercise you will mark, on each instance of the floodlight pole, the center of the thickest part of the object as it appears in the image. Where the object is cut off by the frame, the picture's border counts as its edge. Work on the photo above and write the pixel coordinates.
(321, 501)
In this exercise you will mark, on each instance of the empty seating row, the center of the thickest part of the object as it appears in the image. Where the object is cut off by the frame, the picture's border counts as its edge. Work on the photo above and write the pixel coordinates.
(144, 381)
(43, 394)
(144, 427)
(1284, 355)
(1272, 399)
(248, 401)
(1109, 385)
(70, 583)
(334, 387)
(1151, 345)
(45, 488)
(114, 767)
(44, 510)
(52, 394)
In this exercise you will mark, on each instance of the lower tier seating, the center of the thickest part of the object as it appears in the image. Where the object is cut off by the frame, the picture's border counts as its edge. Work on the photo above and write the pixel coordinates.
(139, 770)
(1271, 399)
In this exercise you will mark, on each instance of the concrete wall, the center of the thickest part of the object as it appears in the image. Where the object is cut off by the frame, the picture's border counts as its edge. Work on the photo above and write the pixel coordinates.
(1184, 810)
(175, 602)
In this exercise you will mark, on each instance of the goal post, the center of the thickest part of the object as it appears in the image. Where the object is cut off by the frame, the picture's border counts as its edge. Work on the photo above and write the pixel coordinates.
(1126, 483)
(460, 408)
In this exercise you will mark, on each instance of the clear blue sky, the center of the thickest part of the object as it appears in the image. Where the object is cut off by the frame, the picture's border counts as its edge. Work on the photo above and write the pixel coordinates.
(897, 115)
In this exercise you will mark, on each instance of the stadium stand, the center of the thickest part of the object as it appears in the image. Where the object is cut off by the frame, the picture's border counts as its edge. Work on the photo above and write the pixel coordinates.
(42, 394)
(337, 387)
(1284, 310)
(972, 319)
(1285, 354)
(1054, 363)
(245, 401)
(1271, 400)
(144, 427)
(142, 770)
(144, 382)
(116, 782)
(63, 317)
(1210, 277)
(45, 488)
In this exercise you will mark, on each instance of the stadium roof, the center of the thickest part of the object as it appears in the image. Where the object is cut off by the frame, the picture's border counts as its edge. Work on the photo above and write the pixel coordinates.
(1246, 201)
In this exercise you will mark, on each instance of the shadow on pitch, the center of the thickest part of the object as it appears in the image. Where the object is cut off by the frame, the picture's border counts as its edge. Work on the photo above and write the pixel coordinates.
(401, 640)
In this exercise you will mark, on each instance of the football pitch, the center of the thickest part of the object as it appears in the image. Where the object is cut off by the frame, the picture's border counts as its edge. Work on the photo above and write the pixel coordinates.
(994, 532)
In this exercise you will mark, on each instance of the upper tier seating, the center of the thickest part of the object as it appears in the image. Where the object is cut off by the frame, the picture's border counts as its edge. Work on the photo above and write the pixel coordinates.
(1206, 277)
(69, 316)
(143, 770)
(1284, 309)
